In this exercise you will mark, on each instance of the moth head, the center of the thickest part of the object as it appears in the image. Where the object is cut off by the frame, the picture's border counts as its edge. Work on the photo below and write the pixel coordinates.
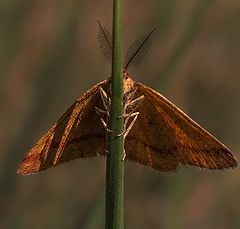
(128, 83)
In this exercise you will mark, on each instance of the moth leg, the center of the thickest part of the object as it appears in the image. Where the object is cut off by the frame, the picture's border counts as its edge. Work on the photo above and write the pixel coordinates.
(105, 126)
(135, 101)
(100, 111)
(132, 105)
(124, 115)
(106, 103)
(128, 116)
(131, 124)
(130, 94)
(105, 100)
(126, 131)
(128, 97)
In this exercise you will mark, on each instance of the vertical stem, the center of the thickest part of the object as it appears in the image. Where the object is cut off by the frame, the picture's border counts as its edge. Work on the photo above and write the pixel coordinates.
(115, 164)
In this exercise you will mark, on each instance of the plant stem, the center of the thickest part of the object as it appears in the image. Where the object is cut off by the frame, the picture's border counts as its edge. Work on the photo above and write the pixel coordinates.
(114, 216)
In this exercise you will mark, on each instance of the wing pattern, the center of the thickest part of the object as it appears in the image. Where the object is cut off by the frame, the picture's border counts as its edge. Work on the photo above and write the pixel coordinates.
(77, 134)
(164, 137)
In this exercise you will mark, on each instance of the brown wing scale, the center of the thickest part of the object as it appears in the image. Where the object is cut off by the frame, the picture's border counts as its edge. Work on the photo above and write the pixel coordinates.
(77, 134)
(164, 137)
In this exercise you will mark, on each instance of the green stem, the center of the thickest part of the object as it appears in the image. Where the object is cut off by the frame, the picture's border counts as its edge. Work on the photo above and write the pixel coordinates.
(115, 164)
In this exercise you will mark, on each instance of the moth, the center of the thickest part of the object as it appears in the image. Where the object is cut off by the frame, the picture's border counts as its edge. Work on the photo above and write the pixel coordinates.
(157, 133)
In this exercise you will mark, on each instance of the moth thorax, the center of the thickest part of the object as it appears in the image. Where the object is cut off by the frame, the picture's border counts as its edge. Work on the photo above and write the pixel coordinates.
(128, 84)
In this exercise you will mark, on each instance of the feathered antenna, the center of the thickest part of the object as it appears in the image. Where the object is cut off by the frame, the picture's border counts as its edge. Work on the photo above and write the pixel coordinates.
(138, 50)
(135, 53)
(105, 42)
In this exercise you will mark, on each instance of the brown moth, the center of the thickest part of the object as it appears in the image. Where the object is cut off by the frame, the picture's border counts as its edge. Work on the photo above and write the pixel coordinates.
(157, 133)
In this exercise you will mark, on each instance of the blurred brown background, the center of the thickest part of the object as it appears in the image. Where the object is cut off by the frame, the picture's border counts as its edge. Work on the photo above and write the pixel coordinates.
(49, 56)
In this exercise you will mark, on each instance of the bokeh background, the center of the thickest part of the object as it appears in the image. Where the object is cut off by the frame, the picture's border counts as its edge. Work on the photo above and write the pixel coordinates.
(49, 56)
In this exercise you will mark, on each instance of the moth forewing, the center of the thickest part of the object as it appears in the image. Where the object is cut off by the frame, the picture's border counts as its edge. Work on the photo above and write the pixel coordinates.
(77, 134)
(164, 137)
